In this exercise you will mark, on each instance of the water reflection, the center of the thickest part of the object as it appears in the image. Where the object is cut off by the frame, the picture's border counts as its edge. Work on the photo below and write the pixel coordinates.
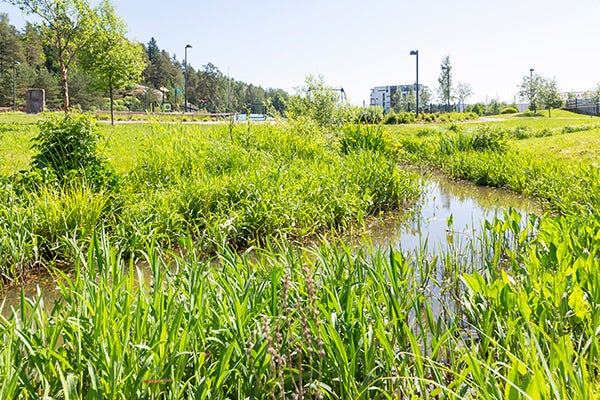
(426, 228)
(449, 211)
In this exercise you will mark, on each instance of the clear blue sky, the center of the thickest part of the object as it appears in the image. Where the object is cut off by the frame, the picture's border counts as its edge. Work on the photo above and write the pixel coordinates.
(360, 44)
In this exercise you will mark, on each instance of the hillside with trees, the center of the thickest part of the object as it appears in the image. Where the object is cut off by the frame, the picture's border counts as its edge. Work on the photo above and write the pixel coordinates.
(159, 87)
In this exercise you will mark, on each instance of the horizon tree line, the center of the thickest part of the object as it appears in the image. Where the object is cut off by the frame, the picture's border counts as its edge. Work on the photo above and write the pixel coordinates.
(59, 56)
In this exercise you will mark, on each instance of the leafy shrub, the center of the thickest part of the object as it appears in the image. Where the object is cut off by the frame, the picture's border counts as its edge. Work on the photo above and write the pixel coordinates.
(370, 115)
(454, 128)
(489, 138)
(67, 147)
(580, 128)
(371, 138)
(478, 109)
(393, 118)
(543, 133)
(529, 114)
(509, 110)
(520, 132)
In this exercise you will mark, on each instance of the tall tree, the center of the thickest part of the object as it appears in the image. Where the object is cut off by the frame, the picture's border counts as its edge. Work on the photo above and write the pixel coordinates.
(114, 60)
(530, 89)
(33, 49)
(10, 45)
(64, 24)
(550, 96)
(463, 92)
(445, 81)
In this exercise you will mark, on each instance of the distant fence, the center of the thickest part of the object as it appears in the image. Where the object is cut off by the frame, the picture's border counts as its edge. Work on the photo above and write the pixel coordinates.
(583, 106)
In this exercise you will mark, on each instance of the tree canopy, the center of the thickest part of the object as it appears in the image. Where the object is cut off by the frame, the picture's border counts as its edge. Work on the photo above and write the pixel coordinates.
(88, 87)
(114, 61)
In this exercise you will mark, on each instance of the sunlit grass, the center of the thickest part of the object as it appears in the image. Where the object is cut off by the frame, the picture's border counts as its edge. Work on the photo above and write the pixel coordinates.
(192, 276)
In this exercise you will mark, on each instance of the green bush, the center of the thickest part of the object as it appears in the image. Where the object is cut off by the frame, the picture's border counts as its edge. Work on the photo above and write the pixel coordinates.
(543, 133)
(370, 138)
(478, 109)
(454, 128)
(489, 138)
(580, 128)
(67, 147)
(393, 118)
(509, 110)
(521, 132)
(370, 115)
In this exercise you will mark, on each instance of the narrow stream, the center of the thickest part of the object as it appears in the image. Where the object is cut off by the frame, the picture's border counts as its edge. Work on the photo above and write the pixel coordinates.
(450, 207)
(466, 204)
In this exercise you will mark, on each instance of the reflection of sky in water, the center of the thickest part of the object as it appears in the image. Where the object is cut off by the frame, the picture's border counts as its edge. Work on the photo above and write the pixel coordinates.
(466, 204)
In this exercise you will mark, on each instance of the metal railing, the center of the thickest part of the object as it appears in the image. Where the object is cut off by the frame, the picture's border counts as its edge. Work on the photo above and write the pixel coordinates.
(583, 106)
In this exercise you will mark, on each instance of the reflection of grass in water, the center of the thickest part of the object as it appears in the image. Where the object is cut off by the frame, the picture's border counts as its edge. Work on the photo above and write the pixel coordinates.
(324, 322)
(561, 183)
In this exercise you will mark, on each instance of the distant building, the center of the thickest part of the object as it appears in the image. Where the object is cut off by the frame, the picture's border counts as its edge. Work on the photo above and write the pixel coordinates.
(387, 96)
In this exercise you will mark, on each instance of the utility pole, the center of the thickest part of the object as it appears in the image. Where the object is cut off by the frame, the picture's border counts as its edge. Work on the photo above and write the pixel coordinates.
(416, 53)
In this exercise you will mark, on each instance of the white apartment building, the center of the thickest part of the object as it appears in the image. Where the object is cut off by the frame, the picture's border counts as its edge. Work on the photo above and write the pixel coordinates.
(386, 96)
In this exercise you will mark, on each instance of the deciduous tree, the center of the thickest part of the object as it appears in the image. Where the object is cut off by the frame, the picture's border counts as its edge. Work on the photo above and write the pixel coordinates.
(463, 92)
(64, 25)
(550, 96)
(113, 60)
(445, 81)
(530, 89)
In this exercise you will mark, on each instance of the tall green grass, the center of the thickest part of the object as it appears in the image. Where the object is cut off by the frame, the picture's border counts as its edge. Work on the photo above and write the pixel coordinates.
(237, 185)
(492, 156)
(321, 322)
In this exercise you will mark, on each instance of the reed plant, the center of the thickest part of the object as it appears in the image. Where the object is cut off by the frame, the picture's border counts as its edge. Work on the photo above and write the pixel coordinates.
(238, 184)
(321, 322)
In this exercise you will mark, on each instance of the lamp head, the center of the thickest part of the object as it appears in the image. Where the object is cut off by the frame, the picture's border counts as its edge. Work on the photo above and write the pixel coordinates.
(414, 52)
(187, 46)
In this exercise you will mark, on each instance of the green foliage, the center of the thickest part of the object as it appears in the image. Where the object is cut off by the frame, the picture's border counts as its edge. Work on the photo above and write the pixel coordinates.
(320, 103)
(370, 115)
(428, 131)
(393, 118)
(110, 57)
(477, 108)
(370, 138)
(509, 110)
(521, 132)
(239, 186)
(67, 147)
(325, 321)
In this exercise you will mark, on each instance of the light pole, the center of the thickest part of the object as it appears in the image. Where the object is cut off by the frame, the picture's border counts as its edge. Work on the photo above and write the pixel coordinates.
(531, 106)
(15, 63)
(185, 79)
(447, 69)
(416, 53)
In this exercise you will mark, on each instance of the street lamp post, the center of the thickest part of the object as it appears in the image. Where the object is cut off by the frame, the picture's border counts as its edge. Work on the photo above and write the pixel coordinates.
(15, 85)
(185, 78)
(416, 53)
(531, 106)
(447, 87)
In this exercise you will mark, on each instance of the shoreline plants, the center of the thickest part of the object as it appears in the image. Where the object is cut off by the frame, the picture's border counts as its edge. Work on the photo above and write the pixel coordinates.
(194, 278)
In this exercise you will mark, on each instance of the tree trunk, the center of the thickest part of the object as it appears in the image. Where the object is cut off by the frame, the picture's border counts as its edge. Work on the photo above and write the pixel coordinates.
(112, 112)
(64, 85)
